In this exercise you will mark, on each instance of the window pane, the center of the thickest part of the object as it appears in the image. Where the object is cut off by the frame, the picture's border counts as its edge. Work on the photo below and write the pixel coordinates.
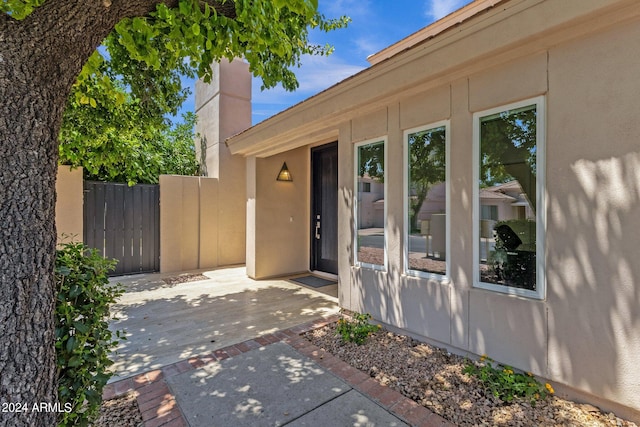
(370, 204)
(507, 194)
(427, 200)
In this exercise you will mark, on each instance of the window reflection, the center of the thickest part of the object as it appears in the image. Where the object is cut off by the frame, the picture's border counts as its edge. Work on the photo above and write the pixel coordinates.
(426, 213)
(507, 229)
(370, 215)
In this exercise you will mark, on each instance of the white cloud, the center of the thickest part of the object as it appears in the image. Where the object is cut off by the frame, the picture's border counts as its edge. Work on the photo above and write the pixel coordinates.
(368, 45)
(315, 75)
(437, 9)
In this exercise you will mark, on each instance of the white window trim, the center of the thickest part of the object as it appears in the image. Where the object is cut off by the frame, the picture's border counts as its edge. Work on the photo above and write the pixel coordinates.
(356, 262)
(447, 129)
(541, 223)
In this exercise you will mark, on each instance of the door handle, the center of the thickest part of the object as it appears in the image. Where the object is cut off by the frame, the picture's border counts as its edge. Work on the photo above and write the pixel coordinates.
(318, 227)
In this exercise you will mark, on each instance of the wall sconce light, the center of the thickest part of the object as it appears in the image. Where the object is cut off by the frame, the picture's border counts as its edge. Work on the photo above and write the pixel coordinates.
(284, 174)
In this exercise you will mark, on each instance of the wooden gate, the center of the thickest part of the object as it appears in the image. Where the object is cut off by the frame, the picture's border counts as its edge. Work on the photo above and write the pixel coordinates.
(124, 223)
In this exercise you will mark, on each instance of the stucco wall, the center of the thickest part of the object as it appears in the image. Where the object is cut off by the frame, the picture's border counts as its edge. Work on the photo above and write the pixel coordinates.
(69, 204)
(594, 214)
(585, 333)
(188, 223)
(278, 214)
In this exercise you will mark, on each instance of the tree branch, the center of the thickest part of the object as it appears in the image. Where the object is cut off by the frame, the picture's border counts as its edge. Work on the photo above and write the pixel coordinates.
(66, 32)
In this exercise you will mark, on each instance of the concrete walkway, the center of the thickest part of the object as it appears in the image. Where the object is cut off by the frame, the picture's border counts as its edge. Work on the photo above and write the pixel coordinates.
(276, 378)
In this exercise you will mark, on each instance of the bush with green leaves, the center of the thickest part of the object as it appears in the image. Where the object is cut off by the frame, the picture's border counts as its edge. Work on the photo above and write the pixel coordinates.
(83, 338)
(504, 383)
(356, 330)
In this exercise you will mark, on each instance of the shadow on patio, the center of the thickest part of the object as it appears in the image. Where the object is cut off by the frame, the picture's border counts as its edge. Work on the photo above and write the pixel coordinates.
(168, 323)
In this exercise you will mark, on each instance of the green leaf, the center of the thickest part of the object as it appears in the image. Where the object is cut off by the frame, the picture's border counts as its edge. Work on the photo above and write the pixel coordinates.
(74, 362)
(63, 271)
(81, 327)
(195, 29)
(74, 290)
(71, 344)
(139, 24)
(185, 7)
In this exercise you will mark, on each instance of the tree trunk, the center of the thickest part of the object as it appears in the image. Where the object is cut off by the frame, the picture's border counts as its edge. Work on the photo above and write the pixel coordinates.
(40, 59)
(29, 120)
(27, 254)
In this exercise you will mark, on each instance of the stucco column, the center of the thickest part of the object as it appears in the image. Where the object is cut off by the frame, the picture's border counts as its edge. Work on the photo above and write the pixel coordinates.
(224, 109)
(461, 213)
(345, 214)
(251, 216)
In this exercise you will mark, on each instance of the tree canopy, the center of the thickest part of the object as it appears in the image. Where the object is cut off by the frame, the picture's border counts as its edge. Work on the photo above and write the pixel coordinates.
(271, 35)
(427, 166)
(508, 149)
(116, 123)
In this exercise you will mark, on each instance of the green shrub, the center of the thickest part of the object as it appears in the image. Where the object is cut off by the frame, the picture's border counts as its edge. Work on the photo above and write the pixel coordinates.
(356, 330)
(83, 339)
(506, 384)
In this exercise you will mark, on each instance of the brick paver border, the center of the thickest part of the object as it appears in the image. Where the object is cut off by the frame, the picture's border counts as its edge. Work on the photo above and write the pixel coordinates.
(159, 408)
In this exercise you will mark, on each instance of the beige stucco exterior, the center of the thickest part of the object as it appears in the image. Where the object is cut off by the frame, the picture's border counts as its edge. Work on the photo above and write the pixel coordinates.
(581, 57)
(188, 223)
(69, 204)
(278, 212)
(223, 107)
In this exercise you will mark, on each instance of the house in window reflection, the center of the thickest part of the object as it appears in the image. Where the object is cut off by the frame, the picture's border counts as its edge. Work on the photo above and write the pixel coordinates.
(371, 202)
(505, 201)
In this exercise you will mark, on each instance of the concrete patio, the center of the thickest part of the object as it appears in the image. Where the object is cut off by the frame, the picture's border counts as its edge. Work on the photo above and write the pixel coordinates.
(168, 323)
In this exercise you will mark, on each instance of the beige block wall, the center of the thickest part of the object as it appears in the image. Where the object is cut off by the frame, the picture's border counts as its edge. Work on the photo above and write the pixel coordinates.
(188, 223)
(69, 204)
(279, 216)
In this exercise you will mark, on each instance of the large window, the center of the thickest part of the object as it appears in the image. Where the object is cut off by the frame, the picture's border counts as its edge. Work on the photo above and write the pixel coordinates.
(370, 212)
(509, 207)
(426, 200)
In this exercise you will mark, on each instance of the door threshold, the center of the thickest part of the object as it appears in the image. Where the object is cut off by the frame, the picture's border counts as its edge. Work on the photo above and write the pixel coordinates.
(324, 275)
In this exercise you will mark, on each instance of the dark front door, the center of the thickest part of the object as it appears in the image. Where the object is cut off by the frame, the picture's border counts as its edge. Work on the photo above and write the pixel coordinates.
(324, 208)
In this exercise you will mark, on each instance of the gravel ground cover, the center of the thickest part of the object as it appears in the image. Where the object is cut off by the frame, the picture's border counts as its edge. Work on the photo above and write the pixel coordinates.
(184, 278)
(434, 378)
(122, 411)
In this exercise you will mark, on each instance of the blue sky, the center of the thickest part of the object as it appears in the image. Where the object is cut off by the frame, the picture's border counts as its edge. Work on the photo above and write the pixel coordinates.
(375, 25)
